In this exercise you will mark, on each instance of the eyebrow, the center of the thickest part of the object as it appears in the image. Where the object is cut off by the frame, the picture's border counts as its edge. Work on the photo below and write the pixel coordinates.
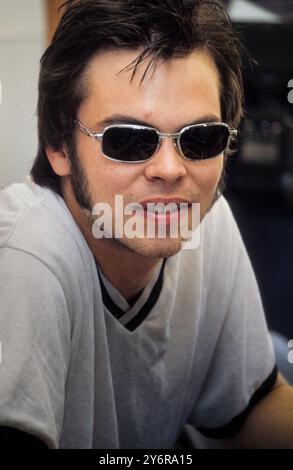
(124, 119)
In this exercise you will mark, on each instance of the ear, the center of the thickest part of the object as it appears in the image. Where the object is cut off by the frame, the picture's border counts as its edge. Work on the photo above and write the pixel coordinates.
(59, 161)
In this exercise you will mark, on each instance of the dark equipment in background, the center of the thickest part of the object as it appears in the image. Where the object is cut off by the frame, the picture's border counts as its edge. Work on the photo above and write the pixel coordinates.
(260, 175)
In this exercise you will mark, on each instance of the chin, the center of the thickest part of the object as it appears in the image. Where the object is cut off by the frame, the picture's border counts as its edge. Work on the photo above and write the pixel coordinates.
(151, 248)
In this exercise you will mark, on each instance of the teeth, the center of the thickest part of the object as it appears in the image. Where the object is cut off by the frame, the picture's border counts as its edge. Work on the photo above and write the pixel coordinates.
(161, 208)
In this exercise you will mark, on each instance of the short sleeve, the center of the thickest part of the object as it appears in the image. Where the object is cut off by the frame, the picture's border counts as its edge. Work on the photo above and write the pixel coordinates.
(242, 366)
(35, 344)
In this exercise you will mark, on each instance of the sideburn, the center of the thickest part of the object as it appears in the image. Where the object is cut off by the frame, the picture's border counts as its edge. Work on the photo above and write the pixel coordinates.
(78, 179)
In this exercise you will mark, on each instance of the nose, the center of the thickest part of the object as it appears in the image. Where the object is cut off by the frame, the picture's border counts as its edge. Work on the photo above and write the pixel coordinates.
(167, 165)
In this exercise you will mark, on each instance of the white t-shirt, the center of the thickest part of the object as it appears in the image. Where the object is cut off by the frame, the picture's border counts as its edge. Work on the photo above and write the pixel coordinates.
(77, 374)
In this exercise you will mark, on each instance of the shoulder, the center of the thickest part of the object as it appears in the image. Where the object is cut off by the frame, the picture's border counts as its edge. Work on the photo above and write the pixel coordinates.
(219, 218)
(38, 235)
(36, 221)
(220, 239)
(220, 235)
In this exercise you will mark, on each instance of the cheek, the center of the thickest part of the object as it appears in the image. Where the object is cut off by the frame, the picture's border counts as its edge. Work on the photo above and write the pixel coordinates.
(119, 178)
(207, 175)
(97, 168)
(107, 179)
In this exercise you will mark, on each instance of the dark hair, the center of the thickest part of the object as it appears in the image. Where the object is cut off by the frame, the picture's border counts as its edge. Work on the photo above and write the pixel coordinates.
(165, 29)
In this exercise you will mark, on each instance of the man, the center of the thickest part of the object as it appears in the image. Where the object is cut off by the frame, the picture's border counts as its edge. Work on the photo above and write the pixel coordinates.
(117, 342)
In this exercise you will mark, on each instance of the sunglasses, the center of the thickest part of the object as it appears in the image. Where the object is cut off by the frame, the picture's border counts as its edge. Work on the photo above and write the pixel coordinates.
(129, 143)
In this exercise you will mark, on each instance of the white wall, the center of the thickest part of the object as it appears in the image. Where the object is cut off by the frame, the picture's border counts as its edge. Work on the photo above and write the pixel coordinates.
(22, 39)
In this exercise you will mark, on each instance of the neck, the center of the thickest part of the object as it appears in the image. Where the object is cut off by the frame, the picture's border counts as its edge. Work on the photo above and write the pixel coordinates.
(127, 271)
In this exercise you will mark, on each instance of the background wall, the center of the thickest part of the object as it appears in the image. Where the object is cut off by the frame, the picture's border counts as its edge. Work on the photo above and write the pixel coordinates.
(22, 41)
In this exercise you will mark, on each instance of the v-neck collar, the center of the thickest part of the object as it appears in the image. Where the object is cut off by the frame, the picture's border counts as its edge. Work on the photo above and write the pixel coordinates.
(132, 317)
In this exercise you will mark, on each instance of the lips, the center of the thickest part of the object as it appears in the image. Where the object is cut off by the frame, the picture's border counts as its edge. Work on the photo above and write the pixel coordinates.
(149, 203)
(163, 209)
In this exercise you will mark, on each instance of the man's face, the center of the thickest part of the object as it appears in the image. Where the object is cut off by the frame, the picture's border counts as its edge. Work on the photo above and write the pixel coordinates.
(178, 93)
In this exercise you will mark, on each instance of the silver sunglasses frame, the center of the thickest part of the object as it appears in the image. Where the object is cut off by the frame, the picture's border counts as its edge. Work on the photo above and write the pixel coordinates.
(162, 135)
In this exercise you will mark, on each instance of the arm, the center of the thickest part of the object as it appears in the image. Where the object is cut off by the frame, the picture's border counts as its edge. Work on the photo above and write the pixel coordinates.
(269, 423)
(240, 374)
(34, 330)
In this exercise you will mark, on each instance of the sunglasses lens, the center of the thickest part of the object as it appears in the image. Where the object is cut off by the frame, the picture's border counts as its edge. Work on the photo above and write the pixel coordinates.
(201, 143)
(128, 144)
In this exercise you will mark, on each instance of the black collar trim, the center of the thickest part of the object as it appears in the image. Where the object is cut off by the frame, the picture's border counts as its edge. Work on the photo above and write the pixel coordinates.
(141, 315)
